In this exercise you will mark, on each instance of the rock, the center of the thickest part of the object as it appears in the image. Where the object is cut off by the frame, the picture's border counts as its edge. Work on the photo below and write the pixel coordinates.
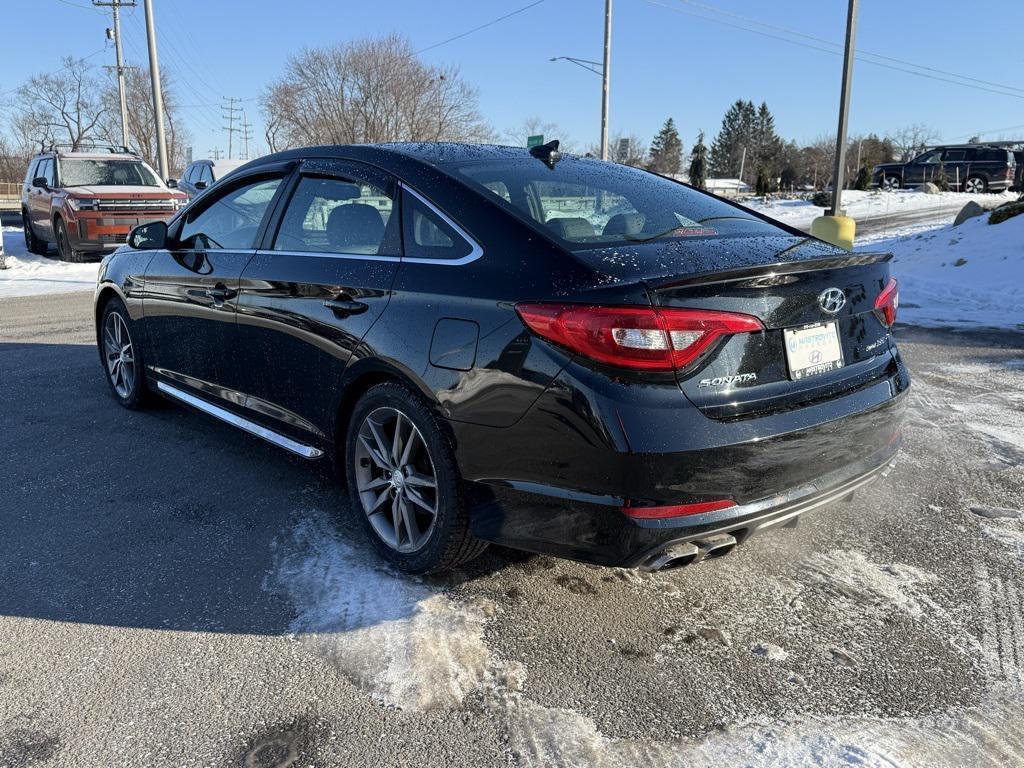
(996, 513)
(959, 262)
(769, 651)
(1006, 211)
(715, 635)
(969, 211)
(928, 188)
(839, 656)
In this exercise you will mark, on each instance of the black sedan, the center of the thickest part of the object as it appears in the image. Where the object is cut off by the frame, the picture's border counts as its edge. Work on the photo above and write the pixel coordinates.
(494, 344)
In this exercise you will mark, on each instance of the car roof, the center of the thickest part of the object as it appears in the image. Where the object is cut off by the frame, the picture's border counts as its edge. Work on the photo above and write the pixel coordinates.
(438, 154)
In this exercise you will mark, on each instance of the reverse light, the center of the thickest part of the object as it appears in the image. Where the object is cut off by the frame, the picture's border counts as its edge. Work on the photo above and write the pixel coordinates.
(888, 301)
(639, 338)
(676, 510)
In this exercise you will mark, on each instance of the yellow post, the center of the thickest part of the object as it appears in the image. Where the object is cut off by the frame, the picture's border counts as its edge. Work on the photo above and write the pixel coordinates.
(838, 230)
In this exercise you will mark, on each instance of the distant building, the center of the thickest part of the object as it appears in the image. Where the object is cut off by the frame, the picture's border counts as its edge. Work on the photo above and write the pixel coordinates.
(727, 187)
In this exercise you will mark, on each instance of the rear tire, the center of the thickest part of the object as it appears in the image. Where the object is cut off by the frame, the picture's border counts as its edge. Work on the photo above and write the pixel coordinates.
(890, 183)
(975, 185)
(406, 488)
(121, 356)
(32, 243)
(64, 249)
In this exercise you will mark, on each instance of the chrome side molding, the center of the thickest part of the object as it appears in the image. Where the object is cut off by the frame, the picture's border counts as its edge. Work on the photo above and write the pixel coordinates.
(293, 446)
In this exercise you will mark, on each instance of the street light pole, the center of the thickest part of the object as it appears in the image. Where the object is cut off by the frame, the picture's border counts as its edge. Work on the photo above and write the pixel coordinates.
(844, 108)
(605, 72)
(158, 100)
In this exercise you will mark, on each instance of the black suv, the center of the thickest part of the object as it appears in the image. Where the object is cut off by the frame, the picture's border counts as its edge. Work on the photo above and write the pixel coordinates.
(969, 168)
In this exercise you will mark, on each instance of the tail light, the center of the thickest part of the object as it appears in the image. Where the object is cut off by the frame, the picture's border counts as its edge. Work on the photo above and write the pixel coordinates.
(676, 510)
(639, 338)
(888, 301)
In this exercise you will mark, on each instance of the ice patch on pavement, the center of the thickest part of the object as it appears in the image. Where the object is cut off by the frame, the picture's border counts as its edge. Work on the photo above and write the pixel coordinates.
(854, 580)
(408, 645)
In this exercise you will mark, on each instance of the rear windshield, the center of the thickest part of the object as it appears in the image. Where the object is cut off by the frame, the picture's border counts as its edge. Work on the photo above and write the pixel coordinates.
(587, 203)
(79, 172)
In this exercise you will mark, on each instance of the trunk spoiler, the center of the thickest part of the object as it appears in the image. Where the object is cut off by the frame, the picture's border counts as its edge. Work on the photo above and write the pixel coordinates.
(769, 270)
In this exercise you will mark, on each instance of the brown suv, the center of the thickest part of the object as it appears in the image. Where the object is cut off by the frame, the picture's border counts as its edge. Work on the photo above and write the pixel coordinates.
(88, 200)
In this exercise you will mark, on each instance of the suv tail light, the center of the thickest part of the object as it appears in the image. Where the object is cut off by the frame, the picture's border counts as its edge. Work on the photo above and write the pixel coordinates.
(640, 338)
(888, 301)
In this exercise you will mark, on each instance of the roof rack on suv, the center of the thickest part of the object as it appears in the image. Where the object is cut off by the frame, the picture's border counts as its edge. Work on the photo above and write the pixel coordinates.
(114, 149)
(981, 144)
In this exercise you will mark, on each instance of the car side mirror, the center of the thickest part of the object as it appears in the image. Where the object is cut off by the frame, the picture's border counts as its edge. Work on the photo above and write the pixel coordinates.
(172, 183)
(200, 185)
(39, 182)
(148, 237)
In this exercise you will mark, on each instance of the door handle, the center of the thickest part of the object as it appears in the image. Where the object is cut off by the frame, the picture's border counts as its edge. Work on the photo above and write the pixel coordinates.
(220, 293)
(344, 305)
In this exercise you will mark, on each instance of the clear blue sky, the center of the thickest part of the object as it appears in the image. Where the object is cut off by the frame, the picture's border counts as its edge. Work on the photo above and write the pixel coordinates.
(664, 61)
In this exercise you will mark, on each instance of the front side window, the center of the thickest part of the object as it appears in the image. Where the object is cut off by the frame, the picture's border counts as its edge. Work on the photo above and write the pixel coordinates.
(79, 172)
(339, 215)
(955, 155)
(929, 158)
(46, 171)
(232, 220)
(586, 202)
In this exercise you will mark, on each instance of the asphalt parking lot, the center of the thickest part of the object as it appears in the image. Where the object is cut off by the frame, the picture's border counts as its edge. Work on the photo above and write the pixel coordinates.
(176, 593)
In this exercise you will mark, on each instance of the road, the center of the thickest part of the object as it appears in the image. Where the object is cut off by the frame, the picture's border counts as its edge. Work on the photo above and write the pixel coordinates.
(176, 593)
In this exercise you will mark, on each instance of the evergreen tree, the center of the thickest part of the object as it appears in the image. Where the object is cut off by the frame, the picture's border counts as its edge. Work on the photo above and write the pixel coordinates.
(863, 181)
(735, 135)
(666, 150)
(767, 146)
(764, 185)
(699, 163)
(940, 179)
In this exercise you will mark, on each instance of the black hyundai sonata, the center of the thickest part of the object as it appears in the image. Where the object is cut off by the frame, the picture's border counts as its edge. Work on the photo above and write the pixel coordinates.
(552, 353)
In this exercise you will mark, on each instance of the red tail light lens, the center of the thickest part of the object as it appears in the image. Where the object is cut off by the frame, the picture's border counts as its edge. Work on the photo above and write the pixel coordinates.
(888, 301)
(640, 338)
(676, 510)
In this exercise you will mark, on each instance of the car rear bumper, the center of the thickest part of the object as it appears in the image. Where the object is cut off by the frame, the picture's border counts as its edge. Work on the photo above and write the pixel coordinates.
(772, 477)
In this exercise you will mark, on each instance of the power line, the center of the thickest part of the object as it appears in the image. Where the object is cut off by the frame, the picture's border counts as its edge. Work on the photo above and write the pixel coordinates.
(861, 51)
(229, 112)
(477, 29)
(831, 51)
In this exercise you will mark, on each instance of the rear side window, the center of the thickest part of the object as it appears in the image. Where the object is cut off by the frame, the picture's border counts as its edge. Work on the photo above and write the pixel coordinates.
(428, 234)
(587, 203)
(339, 215)
(993, 155)
(232, 220)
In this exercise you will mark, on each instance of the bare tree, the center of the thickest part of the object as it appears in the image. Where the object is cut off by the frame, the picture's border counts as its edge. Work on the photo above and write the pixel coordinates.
(910, 140)
(369, 90)
(627, 149)
(537, 126)
(62, 106)
(13, 160)
(141, 122)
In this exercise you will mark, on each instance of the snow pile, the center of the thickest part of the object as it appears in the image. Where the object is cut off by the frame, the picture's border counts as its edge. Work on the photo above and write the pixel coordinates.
(28, 274)
(876, 204)
(408, 645)
(967, 276)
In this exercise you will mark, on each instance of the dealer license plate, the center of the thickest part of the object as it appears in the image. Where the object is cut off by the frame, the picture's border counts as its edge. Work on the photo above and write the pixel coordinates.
(812, 350)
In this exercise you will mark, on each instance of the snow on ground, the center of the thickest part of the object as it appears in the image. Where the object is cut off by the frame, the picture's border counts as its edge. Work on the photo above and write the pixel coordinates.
(966, 276)
(876, 204)
(28, 274)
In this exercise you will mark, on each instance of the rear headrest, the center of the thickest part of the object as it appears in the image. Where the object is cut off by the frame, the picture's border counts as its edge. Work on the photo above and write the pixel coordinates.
(624, 224)
(354, 224)
(572, 228)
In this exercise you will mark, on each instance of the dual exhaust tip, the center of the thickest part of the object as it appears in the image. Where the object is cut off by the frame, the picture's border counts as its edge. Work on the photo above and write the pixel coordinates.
(691, 552)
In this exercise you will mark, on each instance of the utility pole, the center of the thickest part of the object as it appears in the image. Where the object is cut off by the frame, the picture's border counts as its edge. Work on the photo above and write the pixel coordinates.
(158, 98)
(844, 108)
(116, 6)
(605, 74)
(229, 112)
(215, 153)
(743, 162)
(246, 133)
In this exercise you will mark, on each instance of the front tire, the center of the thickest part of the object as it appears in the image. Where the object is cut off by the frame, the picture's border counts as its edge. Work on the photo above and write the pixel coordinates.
(404, 484)
(122, 357)
(975, 185)
(64, 249)
(890, 183)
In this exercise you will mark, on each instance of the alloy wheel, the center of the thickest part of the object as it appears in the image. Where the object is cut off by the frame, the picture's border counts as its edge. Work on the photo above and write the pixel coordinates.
(975, 185)
(119, 354)
(395, 479)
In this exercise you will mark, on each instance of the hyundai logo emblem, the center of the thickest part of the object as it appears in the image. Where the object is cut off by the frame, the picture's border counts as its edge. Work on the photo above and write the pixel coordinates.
(832, 300)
